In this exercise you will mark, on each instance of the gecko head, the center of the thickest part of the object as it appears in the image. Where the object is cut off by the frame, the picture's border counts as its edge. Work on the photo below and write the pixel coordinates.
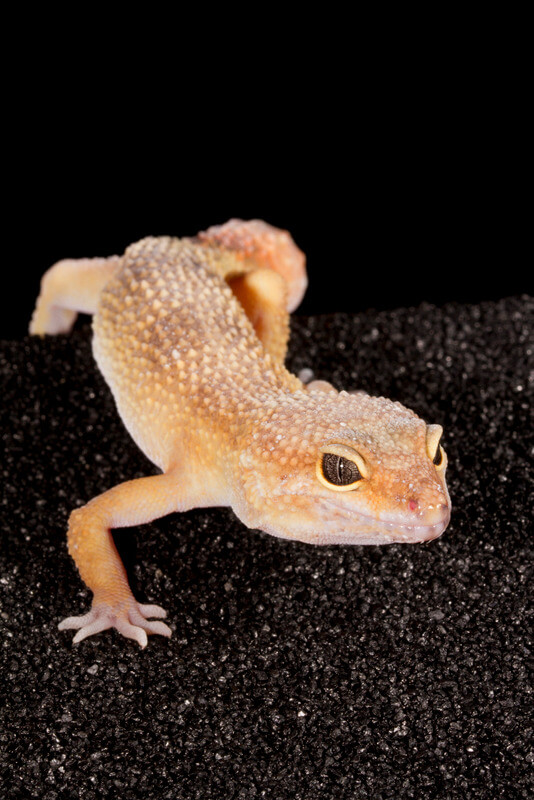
(336, 468)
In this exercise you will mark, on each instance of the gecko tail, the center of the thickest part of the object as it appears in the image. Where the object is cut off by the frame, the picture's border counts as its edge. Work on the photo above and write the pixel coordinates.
(261, 245)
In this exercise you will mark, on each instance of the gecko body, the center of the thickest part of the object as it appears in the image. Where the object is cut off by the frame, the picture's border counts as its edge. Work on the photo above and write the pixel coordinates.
(191, 337)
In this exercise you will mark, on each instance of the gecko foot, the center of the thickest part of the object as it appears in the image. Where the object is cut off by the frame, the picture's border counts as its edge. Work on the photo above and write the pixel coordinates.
(129, 618)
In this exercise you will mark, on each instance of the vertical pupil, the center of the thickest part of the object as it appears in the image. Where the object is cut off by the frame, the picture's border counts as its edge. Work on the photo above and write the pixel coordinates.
(339, 471)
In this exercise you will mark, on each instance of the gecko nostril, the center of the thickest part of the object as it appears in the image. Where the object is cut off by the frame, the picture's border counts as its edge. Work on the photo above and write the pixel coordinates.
(413, 505)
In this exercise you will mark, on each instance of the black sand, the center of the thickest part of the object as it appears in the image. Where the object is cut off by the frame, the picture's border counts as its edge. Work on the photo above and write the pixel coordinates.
(294, 673)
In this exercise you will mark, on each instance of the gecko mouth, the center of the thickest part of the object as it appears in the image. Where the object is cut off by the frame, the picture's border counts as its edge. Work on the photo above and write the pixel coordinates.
(333, 523)
(380, 529)
(328, 522)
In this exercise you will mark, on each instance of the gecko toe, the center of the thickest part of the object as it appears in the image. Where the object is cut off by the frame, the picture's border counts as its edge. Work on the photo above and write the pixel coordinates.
(129, 619)
(96, 626)
(138, 616)
(158, 628)
(132, 632)
(70, 623)
(148, 610)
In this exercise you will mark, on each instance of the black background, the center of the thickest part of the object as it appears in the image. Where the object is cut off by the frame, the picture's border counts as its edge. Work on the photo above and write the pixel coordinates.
(394, 203)
(396, 162)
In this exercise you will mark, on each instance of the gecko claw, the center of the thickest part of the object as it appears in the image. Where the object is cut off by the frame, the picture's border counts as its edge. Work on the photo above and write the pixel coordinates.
(129, 620)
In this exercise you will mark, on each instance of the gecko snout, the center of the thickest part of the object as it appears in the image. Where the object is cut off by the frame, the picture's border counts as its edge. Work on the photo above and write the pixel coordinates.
(436, 519)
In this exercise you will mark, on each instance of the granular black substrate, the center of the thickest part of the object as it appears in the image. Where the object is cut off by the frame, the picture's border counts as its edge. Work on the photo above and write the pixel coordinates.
(294, 672)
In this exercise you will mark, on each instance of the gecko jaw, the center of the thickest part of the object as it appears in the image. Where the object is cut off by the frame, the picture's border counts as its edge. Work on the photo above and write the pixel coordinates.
(384, 530)
(335, 524)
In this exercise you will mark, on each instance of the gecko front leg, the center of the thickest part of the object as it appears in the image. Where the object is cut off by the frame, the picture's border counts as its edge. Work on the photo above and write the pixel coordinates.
(91, 545)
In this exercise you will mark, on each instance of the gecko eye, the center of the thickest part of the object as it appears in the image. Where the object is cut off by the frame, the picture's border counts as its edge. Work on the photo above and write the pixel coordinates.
(434, 449)
(340, 468)
(439, 457)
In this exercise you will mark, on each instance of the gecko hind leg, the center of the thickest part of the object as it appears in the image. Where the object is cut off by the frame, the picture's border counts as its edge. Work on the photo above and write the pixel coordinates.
(69, 287)
(263, 295)
(313, 384)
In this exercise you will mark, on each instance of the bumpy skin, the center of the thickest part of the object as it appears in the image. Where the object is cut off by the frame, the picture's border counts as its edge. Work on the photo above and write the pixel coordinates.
(191, 337)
